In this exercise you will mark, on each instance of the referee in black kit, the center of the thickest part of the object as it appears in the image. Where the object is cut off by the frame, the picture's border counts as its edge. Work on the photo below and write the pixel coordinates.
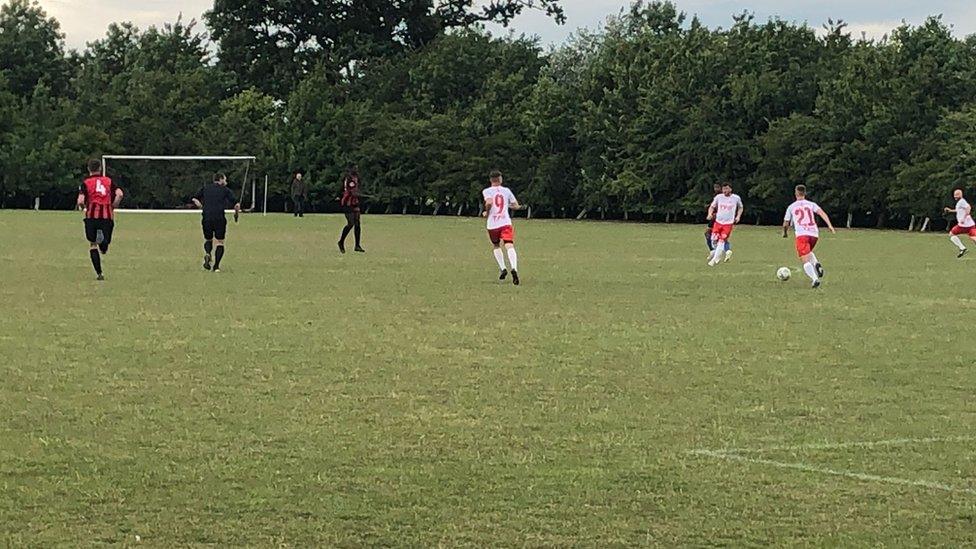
(213, 199)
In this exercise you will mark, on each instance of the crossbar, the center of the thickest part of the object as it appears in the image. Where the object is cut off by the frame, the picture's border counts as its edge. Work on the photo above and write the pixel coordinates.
(143, 157)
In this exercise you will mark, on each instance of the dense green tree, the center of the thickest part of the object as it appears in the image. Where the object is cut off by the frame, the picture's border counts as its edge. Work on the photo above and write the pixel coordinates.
(157, 92)
(944, 162)
(272, 45)
(43, 151)
(549, 119)
(425, 140)
(636, 120)
(31, 49)
(873, 113)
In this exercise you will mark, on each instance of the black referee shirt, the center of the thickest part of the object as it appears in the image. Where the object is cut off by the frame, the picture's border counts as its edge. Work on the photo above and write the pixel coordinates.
(215, 199)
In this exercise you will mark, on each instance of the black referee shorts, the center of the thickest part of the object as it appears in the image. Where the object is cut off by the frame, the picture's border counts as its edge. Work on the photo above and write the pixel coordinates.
(214, 228)
(92, 226)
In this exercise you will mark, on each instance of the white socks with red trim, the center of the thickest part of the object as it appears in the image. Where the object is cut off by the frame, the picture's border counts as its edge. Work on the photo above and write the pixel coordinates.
(500, 258)
(955, 240)
(810, 270)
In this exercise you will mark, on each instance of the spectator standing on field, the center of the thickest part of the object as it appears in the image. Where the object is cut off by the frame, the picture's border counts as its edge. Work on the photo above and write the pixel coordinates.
(299, 192)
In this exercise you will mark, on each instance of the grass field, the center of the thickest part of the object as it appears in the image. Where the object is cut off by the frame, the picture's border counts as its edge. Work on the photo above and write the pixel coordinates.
(407, 398)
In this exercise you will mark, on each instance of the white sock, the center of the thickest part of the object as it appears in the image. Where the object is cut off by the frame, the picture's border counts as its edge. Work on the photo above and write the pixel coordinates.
(500, 258)
(955, 240)
(813, 258)
(810, 270)
(513, 259)
(719, 250)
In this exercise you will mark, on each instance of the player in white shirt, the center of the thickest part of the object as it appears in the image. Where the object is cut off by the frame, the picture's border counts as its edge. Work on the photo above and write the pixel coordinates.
(717, 188)
(726, 209)
(802, 214)
(498, 201)
(964, 222)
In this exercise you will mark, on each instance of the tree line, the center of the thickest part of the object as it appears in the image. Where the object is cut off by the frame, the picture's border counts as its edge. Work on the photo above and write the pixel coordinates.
(635, 120)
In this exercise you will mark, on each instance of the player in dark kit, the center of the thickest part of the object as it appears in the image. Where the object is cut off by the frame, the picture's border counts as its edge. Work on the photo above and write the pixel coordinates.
(213, 199)
(99, 197)
(350, 205)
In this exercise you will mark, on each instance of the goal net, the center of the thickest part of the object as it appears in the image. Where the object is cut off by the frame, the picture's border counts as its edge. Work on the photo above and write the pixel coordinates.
(165, 184)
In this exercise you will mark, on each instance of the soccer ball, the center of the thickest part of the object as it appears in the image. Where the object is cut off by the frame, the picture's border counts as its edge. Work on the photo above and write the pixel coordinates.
(783, 273)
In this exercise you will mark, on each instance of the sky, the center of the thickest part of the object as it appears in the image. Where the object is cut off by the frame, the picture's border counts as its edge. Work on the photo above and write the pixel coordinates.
(85, 20)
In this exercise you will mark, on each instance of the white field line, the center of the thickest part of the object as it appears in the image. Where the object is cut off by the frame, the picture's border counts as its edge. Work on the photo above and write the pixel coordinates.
(842, 445)
(173, 211)
(847, 474)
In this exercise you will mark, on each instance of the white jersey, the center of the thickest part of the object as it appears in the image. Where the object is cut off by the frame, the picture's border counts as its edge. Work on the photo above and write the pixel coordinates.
(964, 214)
(500, 198)
(802, 214)
(726, 207)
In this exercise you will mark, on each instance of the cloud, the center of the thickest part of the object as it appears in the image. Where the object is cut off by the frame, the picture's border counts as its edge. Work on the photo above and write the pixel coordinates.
(871, 30)
(874, 18)
(84, 21)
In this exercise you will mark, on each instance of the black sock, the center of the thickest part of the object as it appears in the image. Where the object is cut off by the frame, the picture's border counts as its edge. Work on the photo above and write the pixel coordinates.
(219, 256)
(208, 246)
(345, 233)
(96, 260)
(358, 232)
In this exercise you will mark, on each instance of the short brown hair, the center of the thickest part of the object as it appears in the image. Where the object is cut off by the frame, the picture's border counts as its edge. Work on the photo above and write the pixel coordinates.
(219, 177)
(94, 165)
(495, 174)
(801, 189)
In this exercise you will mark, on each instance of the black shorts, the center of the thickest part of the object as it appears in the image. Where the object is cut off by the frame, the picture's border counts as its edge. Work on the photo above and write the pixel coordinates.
(214, 228)
(92, 226)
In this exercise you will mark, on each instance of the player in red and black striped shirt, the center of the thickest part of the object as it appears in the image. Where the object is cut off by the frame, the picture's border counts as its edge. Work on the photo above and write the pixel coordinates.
(351, 207)
(99, 197)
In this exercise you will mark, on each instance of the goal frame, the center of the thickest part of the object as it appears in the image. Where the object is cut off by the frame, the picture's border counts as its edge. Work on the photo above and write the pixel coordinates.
(177, 158)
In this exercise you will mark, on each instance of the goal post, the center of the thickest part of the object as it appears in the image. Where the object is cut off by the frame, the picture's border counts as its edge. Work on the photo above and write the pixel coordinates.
(165, 183)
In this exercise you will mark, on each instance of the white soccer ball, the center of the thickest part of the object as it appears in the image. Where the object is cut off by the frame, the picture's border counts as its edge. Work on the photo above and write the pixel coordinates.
(783, 273)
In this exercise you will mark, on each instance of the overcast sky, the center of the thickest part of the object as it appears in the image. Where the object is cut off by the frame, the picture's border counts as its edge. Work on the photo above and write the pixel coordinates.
(86, 20)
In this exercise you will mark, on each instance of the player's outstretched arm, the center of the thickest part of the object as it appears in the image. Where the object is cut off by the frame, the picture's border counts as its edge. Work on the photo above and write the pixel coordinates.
(118, 198)
(487, 208)
(823, 215)
(786, 228)
(197, 199)
(711, 211)
(81, 201)
(739, 210)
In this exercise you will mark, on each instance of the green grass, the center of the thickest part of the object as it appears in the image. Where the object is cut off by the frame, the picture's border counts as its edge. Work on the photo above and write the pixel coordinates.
(407, 398)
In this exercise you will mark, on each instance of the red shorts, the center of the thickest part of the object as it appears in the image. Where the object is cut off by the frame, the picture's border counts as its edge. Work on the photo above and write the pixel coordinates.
(506, 233)
(805, 244)
(721, 232)
(959, 229)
